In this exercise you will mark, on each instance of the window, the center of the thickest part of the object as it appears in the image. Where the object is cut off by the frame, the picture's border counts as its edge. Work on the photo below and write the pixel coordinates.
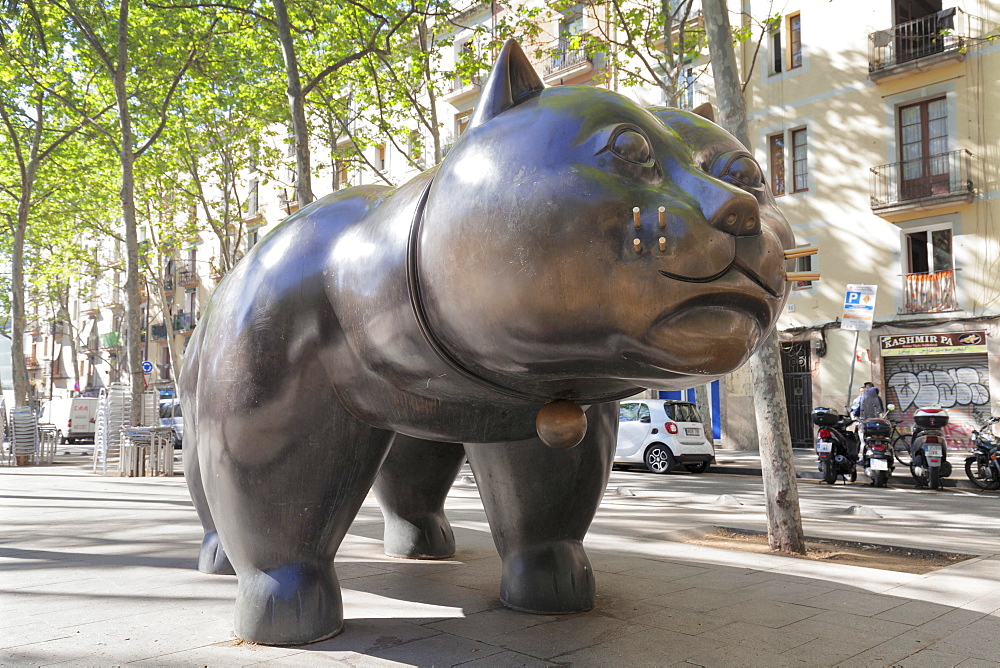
(800, 165)
(570, 27)
(462, 122)
(253, 202)
(777, 53)
(164, 364)
(253, 236)
(644, 413)
(380, 157)
(465, 58)
(928, 251)
(794, 41)
(776, 144)
(803, 264)
(414, 147)
(628, 413)
(784, 39)
(682, 412)
(340, 174)
(923, 147)
(929, 282)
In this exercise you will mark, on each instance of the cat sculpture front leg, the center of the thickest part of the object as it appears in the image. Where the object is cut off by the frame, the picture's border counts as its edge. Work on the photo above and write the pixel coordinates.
(540, 503)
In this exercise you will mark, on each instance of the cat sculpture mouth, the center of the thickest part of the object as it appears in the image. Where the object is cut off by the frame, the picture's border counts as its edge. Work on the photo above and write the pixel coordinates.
(738, 265)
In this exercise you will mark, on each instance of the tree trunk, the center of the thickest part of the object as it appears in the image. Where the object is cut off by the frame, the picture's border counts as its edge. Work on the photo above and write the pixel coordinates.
(18, 362)
(297, 106)
(784, 521)
(133, 318)
(703, 400)
(64, 316)
(434, 127)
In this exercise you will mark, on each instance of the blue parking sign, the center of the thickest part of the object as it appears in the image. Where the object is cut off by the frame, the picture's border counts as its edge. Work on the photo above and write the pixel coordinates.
(859, 307)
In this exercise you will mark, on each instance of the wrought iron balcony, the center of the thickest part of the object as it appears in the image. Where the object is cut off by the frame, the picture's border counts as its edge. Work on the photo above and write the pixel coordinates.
(158, 331)
(187, 278)
(31, 362)
(463, 88)
(930, 293)
(565, 60)
(921, 43)
(168, 284)
(922, 183)
(184, 322)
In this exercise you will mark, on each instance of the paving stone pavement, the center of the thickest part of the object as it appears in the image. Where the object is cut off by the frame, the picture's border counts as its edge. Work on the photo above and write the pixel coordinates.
(99, 570)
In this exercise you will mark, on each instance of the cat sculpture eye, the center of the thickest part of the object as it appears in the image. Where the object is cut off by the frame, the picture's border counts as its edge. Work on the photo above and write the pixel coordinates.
(742, 170)
(631, 146)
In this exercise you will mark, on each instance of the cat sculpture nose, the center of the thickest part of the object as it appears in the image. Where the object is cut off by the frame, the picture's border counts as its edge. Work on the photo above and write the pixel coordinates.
(737, 215)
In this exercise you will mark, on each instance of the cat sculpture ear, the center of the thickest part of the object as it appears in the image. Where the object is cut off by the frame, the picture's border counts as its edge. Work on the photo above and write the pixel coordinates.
(705, 111)
(510, 82)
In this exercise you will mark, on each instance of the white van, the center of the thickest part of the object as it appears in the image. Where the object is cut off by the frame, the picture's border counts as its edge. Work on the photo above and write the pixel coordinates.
(74, 418)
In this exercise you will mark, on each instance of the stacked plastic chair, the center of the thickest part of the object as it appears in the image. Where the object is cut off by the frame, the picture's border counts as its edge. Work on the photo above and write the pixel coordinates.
(146, 449)
(7, 442)
(113, 413)
(150, 409)
(24, 440)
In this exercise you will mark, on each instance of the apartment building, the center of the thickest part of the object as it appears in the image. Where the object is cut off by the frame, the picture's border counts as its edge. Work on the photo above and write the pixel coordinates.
(876, 123)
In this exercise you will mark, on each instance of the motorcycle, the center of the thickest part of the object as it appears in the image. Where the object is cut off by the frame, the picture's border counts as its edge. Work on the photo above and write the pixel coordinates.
(983, 465)
(928, 450)
(877, 456)
(836, 447)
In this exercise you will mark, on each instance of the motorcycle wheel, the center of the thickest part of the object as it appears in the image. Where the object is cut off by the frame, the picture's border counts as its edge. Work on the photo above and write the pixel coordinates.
(934, 477)
(829, 472)
(980, 476)
(880, 478)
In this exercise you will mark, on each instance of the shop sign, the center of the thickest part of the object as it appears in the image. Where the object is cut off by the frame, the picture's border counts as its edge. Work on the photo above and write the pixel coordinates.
(946, 343)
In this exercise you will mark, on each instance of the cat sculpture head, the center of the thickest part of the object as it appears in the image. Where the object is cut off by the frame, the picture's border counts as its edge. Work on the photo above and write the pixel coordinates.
(577, 245)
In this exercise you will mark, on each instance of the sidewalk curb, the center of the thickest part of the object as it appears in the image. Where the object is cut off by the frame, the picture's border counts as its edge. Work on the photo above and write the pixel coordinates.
(804, 461)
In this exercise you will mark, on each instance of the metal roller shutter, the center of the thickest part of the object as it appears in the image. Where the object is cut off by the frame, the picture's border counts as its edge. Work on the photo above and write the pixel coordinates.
(960, 383)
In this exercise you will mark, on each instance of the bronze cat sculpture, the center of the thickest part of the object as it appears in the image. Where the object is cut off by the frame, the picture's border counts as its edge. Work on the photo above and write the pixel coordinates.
(570, 250)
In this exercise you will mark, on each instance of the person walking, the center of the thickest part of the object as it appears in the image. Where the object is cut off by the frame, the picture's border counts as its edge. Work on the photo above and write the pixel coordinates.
(856, 404)
(871, 404)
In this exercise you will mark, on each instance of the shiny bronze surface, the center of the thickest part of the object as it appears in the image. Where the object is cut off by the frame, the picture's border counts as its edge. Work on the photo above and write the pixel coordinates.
(450, 311)
(561, 424)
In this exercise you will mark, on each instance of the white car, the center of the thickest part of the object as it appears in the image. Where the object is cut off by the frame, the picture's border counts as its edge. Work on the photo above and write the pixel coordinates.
(662, 434)
(170, 416)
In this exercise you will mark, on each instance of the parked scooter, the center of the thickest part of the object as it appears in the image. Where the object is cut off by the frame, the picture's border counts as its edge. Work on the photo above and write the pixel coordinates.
(983, 465)
(877, 456)
(928, 450)
(836, 447)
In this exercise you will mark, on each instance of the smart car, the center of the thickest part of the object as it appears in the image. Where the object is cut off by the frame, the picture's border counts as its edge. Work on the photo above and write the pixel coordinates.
(661, 434)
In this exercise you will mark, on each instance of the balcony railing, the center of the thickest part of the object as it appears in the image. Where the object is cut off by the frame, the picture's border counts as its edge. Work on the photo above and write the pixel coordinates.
(930, 293)
(187, 278)
(158, 331)
(184, 322)
(946, 33)
(31, 362)
(168, 284)
(565, 59)
(923, 182)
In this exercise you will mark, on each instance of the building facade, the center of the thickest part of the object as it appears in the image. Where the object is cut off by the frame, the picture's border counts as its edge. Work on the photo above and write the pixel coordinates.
(874, 122)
